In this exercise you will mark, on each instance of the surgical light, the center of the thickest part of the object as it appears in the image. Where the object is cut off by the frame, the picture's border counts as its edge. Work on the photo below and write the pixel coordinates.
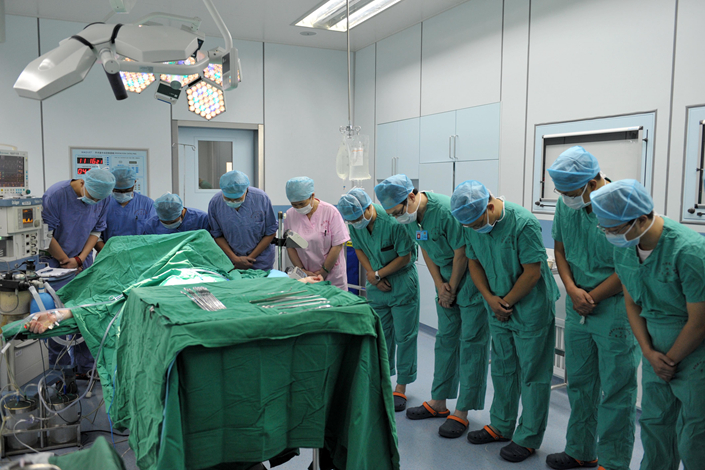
(134, 81)
(332, 15)
(205, 99)
(185, 80)
(214, 73)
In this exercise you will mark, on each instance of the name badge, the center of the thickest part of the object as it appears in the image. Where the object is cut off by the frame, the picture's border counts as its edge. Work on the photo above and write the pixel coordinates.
(422, 234)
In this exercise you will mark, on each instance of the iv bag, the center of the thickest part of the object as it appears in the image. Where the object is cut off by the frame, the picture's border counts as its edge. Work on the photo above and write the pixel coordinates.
(342, 160)
(359, 148)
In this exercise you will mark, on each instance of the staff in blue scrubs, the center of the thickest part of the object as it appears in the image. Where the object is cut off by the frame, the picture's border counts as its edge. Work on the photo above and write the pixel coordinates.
(75, 210)
(127, 210)
(243, 222)
(173, 217)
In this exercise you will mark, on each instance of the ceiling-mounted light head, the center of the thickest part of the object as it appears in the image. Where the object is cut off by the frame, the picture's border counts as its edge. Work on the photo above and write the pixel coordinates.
(205, 99)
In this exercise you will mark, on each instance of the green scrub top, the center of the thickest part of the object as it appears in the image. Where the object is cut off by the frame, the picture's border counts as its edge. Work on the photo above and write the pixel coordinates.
(672, 275)
(514, 241)
(589, 254)
(388, 240)
(444, 232)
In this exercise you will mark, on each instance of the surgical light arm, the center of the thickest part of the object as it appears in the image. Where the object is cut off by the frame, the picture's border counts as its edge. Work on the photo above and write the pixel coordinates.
(150, 46)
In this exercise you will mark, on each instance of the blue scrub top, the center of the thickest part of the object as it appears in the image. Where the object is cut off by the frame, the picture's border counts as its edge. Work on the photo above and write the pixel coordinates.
(194, 219)
(71, 220)
(245, 227)
(128, 220)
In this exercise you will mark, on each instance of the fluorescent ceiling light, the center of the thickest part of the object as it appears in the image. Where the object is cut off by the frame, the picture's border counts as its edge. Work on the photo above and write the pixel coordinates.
(332, 15)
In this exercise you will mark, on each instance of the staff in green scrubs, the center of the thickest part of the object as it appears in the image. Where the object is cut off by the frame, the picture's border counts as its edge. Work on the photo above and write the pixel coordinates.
(462, 340)
(508, 265)
(388, 254)
(661, 264)
(601, 352)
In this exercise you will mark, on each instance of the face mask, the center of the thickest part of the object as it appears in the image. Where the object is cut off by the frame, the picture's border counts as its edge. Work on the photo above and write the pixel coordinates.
(487, 228)
(234, 204)
(123, 197)
(576, 202)
(620, 239)
(86, 200)
(175, 225)
(304, 210)
(407, 218)
(362, 223)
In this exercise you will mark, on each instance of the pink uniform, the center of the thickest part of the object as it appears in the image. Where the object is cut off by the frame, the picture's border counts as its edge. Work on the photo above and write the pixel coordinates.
(325, 230)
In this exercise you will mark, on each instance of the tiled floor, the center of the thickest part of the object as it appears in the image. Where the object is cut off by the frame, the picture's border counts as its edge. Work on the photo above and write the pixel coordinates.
(420, 446)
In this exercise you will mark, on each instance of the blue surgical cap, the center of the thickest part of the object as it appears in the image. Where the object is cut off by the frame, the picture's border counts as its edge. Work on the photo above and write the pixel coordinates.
(573, 169)
(620, 202)
(169, 207)
(299, 189)
(234, 184)
(124, 177)
(99, 183)
(469, 201)
(352, 205)
(394, 190)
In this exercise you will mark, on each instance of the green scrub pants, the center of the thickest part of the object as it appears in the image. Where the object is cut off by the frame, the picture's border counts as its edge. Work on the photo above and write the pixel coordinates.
(602, 357)
(462, 348)
(673, 413)
(398, 311)
(522, 366)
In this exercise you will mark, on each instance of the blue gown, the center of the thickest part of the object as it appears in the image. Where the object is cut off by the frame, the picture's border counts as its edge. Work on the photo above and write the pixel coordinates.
(128, 220)
(245, 227)
(71, 220)
(194, 219)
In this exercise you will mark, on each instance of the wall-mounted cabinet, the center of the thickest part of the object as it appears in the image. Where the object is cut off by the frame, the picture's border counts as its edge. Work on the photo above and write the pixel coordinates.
(462, 135)
(397, 149)
(694, 169)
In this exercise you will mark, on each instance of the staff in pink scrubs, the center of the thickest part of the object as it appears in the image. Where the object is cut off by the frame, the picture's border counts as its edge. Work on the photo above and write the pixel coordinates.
(323, 228)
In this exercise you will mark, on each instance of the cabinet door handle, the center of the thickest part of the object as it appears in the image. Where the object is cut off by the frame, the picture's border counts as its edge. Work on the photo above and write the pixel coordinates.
(455, 147)
(450, 147)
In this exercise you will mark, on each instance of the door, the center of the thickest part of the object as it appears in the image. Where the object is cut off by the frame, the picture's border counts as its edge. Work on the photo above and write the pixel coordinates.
(436, 142)
(207, 155)
(477, 131)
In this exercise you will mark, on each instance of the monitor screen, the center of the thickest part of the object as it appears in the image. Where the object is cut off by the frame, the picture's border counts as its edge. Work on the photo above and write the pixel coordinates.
(11, 171)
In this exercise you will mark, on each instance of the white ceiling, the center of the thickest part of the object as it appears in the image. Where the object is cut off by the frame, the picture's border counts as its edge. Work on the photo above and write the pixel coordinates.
(255, 20)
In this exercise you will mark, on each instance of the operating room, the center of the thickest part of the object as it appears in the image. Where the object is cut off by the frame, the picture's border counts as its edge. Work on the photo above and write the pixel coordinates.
(352, 234)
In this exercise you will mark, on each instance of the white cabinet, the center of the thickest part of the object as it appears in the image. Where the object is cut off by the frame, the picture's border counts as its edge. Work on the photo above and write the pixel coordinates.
(484, 171)
(462, 135)
(477, 133)
(437, 134)
(427, 315)
(397, 149)
(436, 177)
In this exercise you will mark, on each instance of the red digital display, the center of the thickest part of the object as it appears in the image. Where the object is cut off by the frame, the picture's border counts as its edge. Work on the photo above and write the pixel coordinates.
(82, 171)
(90, 161)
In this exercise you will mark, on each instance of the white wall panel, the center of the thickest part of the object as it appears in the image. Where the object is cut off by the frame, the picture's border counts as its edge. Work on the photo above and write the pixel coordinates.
(399, 76)
(365, 104)
(20, 123)
(688, 91)
(461, 57)
(601, 58)
(305, 101)
(515, 58)
(88, 115)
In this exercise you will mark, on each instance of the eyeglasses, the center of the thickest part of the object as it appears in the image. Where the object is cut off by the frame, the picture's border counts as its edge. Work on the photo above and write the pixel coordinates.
(401, 211)
(566, 192)
(618, 230)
